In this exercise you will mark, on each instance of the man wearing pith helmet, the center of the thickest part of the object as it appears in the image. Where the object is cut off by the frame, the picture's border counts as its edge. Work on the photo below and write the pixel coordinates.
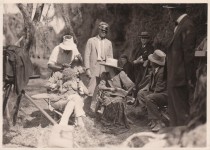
(97, 50)
(154, 94)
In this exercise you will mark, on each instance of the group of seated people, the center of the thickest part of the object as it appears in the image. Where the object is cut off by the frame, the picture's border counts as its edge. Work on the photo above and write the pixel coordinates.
(113, 94)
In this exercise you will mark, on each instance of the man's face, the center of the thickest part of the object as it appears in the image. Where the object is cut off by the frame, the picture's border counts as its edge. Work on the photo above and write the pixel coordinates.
(123, 60)
(103, 30)
(153, 65)
(66, 51)
(144, 40)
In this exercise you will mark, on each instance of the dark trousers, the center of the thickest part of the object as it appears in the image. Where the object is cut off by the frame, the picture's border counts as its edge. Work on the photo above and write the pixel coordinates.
(154, 101)
(178, 105)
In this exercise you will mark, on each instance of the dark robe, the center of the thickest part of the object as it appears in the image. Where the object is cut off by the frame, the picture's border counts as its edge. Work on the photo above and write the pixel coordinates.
(137, 52)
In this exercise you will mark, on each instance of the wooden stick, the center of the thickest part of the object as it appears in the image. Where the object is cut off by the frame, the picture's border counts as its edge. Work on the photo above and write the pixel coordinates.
(19, 41)
(43, 112)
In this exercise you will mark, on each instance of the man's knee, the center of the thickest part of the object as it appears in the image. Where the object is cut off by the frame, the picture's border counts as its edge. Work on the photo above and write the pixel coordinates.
(157, 98)
(151, 97)
(141, 97)
(140, 94)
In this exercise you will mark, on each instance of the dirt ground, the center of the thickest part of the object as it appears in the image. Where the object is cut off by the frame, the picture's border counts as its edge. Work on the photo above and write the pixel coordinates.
(33, 129)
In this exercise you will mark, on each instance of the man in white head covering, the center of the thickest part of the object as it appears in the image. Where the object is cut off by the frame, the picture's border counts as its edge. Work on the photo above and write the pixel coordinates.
(63, 54)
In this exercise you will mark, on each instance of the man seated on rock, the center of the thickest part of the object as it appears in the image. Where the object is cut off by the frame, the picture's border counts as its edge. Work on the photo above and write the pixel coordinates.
(154, 94)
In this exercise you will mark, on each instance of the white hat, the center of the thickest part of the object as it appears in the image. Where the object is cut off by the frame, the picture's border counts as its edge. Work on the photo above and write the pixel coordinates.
(111, 63)
(157, 57)
(68, 43)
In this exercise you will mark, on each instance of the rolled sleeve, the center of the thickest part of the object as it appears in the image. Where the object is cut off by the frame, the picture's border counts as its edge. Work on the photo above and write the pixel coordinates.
(54, 56)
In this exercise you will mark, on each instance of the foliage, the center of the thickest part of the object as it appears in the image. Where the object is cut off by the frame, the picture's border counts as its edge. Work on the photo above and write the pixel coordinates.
(125, 20)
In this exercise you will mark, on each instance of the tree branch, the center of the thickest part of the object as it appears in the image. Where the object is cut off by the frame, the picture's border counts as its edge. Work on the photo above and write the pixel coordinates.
(38, 13)
(30, 9)
(28, 26)
(68, 22)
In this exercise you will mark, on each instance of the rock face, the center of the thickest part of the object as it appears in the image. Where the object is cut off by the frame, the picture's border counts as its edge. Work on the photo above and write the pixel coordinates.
(125, 20)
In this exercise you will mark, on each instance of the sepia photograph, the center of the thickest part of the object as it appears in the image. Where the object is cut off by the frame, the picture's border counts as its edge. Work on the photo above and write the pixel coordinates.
(104, 75)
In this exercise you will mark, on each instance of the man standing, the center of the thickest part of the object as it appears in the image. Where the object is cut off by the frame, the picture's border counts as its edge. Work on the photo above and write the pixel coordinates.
(97, 50)
(140, 55)
(180, 65)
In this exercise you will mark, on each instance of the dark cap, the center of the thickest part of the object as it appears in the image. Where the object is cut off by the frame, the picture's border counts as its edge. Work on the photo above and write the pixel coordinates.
(103, 26)
(144, 34)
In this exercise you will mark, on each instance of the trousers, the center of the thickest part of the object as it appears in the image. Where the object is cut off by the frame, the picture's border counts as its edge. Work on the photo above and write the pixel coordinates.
(178, 105)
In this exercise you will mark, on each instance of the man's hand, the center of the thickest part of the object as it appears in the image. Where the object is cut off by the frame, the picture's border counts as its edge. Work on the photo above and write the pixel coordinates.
(144, 89)
(113, 89)
(65, 65)
(190, 84)
(138, 60)
(88, 73)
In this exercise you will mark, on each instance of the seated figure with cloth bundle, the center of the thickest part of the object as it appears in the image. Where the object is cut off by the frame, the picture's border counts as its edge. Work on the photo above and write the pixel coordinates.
(112, 94)
(69, 96)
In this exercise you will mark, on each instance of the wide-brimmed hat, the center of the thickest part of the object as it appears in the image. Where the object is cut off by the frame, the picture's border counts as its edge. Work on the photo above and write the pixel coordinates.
(103, 26)
(144, 34)
(158, 57)
(68, 43)
(175, 6)
(111, 63)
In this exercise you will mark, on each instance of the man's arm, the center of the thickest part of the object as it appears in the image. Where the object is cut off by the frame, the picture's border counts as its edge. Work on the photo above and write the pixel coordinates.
(87, 54)
(53, 59)
(189, 40)
(87, 58)
(161, 84)
(54, 67)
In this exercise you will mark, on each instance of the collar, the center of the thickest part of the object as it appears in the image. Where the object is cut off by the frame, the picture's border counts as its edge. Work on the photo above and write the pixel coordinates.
(156, 69)
(62, 51)
(100, 37)
(180, 18)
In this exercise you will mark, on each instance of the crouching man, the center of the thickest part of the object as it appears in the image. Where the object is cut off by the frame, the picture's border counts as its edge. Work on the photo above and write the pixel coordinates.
(154, 95)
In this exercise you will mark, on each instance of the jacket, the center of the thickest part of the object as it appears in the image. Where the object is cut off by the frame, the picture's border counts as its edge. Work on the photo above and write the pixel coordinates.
(180, 54)
(91, 55)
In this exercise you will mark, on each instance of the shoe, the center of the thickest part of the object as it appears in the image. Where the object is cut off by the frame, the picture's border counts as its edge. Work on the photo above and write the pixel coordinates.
(157, 127)
(100, 111)
(151, 124)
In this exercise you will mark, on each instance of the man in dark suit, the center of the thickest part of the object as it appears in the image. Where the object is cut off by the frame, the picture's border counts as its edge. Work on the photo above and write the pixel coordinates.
(154, 94)
(180, 65)
(140, 55)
